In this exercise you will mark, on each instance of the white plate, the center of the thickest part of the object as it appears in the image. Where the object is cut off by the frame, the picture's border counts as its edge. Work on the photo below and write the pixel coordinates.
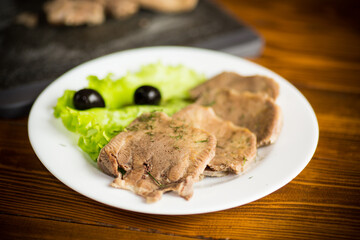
(277, 164)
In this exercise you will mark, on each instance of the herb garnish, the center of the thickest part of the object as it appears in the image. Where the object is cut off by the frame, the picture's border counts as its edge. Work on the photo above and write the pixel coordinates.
(147, 117)
(243, 161)
(132, 128)
(157, 182)
(177, 137)
(176, 128)
(202, 141)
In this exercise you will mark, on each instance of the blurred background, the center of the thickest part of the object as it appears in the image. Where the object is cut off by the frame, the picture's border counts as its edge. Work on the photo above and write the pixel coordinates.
(40, 40)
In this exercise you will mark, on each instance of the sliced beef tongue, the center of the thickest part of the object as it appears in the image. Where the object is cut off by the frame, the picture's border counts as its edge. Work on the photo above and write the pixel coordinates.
(256, 112)
(159, 154)
(236, 146)
(256, 84)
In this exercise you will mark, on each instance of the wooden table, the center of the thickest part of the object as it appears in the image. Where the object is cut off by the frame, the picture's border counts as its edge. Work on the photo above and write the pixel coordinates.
(313, 44)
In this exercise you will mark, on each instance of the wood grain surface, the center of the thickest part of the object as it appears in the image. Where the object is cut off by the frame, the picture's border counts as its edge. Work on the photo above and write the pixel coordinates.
(313, 44)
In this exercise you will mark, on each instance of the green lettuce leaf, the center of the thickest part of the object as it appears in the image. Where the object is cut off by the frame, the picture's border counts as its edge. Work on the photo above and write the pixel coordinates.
(172, 82)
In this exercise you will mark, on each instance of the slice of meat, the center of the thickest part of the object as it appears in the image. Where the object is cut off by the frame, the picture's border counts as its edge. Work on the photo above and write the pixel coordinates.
(74, 13)
(169, 6)
(159, 154)
(257, 113)
(236, 146)
(230, 80)
(121, 8)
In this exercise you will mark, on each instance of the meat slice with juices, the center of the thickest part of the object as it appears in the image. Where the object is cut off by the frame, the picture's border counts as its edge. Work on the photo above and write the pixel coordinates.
(236, 146)
(159, 154)
(260, 114)
(230, 80)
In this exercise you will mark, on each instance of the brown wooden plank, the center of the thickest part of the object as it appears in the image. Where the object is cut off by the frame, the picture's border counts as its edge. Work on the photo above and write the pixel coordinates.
(346, 127)
(338, 113)
(340, 152)
(334, 103)
(299, 201)
(20, 227)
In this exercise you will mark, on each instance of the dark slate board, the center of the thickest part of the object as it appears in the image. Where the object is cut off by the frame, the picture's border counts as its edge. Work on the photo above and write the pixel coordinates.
(32, 58)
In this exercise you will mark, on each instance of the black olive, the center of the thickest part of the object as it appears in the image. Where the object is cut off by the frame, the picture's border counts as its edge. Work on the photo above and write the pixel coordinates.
(88, 98)
(147, 95)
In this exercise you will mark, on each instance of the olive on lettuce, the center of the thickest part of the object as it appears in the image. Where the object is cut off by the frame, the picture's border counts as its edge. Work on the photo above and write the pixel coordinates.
(88, 98)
